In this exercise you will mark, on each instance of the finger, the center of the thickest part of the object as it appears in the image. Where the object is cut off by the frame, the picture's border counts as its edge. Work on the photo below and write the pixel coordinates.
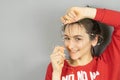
(55, 49)
(58, 49)
(57, 58)
(70, 21)
(60, 59)
(76, 12)
(58, 52)
(73, 14)
(66, 21)
(63, 20)
(70, 15)
(61, 49)
(67, 17)
(61, 54)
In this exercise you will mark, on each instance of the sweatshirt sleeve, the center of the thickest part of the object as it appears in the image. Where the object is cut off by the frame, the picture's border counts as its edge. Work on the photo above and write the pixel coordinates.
(112, 18)
(48, 75)
(109, 17)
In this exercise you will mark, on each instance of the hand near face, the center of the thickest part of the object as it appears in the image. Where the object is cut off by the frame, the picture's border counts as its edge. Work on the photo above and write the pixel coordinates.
(57, 58)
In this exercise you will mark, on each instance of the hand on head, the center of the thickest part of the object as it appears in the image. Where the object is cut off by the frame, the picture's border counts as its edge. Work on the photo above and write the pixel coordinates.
(72, 15)
(77, 13)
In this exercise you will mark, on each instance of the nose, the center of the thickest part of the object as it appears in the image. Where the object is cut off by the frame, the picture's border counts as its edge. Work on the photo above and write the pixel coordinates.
(71, 44)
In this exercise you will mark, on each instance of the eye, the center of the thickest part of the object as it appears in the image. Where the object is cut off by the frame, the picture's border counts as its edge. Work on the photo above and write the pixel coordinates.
(66, 38)
(78, 39)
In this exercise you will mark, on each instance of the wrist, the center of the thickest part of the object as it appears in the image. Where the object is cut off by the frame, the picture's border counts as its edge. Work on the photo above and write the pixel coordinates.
(90, 12)
(56, 75)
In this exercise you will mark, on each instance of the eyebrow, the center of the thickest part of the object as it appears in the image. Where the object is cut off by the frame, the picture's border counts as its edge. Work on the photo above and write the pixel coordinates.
(74, 35)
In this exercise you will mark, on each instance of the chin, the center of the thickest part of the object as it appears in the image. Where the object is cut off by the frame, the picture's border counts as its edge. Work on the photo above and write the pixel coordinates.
(74, 58)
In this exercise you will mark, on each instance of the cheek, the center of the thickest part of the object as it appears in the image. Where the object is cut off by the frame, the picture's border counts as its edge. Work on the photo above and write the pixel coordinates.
(83, 44)
(77, 45)
(67, 45)
(80, 44)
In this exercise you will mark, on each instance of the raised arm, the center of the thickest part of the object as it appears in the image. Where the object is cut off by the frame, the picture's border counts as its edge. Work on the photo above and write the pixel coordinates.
(106, 16)
(76, 13)
(112, 18)
(109, 17)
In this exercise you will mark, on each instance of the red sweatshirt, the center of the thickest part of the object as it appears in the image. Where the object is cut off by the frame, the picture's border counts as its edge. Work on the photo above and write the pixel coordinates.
(104, 67)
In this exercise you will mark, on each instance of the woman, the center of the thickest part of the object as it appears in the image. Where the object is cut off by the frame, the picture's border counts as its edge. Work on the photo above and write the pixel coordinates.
(81, 34)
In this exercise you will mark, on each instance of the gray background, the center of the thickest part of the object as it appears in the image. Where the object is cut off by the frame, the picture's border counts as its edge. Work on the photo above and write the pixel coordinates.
(29, 30)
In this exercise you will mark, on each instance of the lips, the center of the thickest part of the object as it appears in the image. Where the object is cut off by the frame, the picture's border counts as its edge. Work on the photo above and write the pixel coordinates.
(74, 51)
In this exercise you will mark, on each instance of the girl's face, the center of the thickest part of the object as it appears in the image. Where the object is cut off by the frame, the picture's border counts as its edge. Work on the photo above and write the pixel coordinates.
(77, 42)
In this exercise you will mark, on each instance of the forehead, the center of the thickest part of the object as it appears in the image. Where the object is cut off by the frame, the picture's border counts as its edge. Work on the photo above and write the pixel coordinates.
(75, 29)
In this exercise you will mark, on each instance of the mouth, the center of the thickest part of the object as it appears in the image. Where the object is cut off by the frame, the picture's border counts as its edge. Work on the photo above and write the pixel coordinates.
(73, 51)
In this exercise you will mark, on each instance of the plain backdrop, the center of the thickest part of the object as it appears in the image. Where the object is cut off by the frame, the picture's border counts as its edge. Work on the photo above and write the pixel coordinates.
(29, 30)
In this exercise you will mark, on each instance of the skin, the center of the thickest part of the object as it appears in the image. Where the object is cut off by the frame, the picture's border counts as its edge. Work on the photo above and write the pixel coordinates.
(57, 60)
(78, 44)
(77, 13)
(78, 53)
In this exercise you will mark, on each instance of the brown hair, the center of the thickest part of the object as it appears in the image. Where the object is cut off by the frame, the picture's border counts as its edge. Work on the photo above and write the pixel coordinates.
(92, 28)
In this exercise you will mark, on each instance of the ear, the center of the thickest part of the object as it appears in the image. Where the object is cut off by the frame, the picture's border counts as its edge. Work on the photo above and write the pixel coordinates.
(95, 41)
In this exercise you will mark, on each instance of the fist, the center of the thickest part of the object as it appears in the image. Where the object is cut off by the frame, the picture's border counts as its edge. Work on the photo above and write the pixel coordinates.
(57, 58)
(72, 15)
